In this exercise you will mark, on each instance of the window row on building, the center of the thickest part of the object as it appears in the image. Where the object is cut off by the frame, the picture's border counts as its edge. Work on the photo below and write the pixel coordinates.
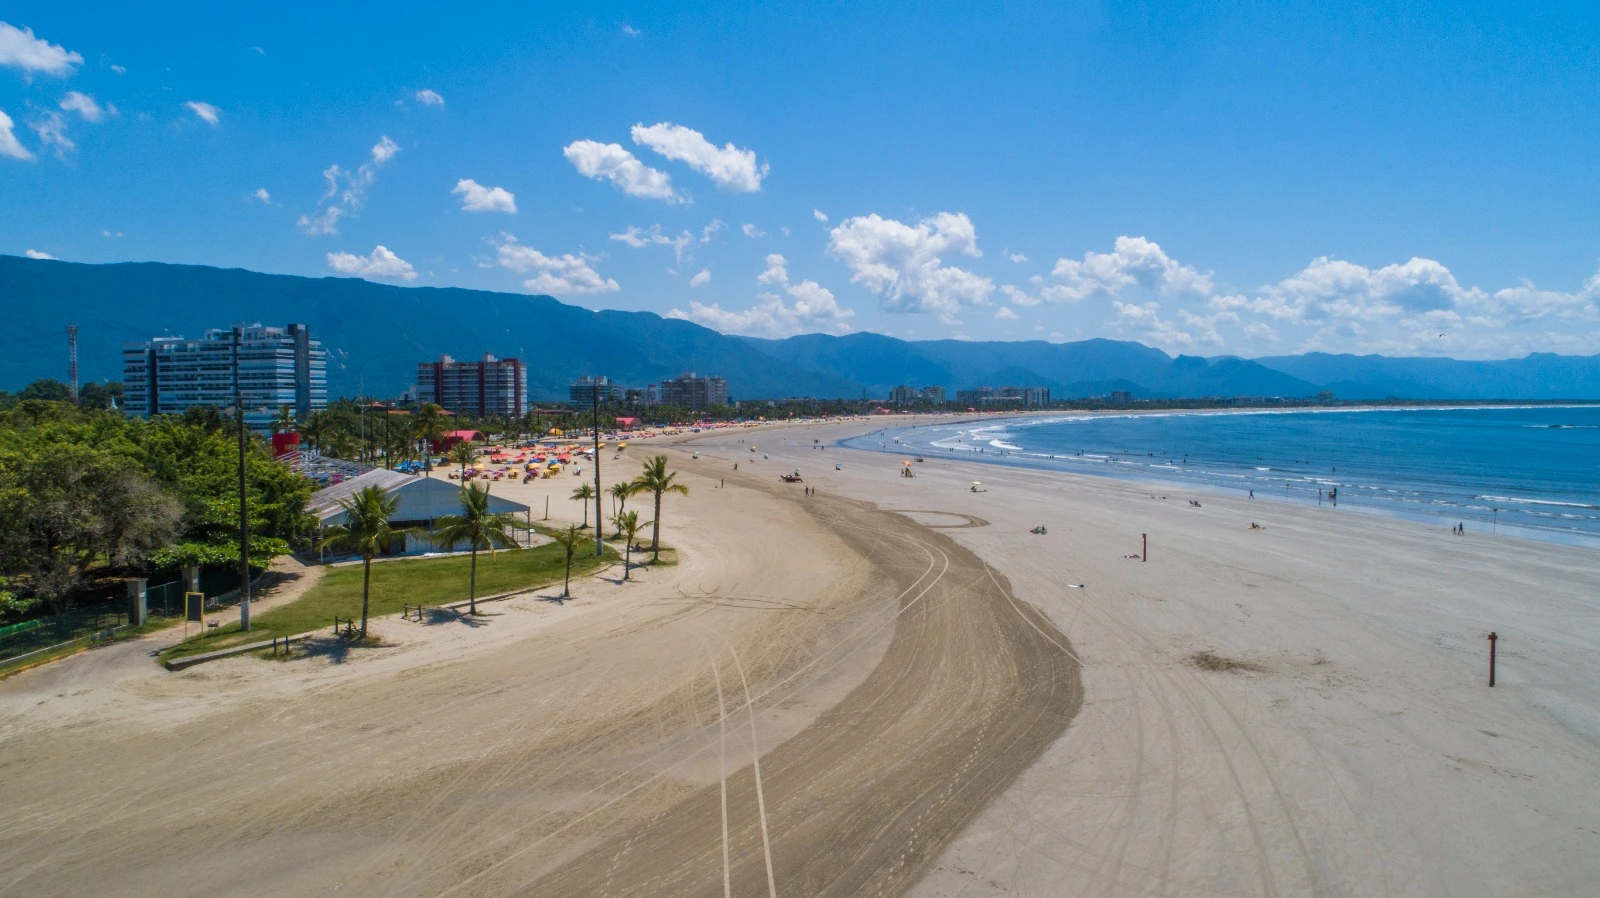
(270, 367)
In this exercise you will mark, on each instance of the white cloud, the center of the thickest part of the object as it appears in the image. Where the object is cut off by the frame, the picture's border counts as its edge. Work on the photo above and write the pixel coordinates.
(1018, 258)
(381, 264)
(259, 51)
(477, 198)
(630, 31)
(557, 275)
(819, 215)
(1019, 297)
(384, 150)
(85, 106)
(903, 264)
(1004, 313)
(639, 238)
(1134, 262)
(9, 145)
(37, 254)
(610, 162)
(52, 131)
(814, 310)
(18, 47)
(347, 191)
(207, 112)
(700, 279)
(728, 166)
(106, 232)
(262, 195)
(428, 97)
(120, 70)
(752, 231)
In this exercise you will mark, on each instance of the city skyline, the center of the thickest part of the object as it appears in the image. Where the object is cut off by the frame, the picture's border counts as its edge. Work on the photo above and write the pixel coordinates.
(1353, 180)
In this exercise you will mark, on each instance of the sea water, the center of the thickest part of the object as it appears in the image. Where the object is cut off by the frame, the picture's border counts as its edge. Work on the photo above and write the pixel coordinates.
(1528, 471)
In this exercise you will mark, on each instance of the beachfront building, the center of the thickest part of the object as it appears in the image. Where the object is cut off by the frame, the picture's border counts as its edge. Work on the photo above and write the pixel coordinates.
(490, 386)
(1025, 397)
(906, 395)
(693, 392)
(277, 367)
(422, 502)
(581, 393)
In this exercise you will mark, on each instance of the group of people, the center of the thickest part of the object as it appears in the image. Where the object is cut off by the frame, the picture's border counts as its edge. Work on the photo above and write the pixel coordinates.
(1459, 529)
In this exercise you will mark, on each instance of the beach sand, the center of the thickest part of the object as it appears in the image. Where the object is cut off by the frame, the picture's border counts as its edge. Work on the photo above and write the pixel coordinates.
(944, 704)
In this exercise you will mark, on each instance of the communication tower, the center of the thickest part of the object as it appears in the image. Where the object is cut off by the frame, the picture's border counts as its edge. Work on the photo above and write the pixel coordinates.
(72, 360)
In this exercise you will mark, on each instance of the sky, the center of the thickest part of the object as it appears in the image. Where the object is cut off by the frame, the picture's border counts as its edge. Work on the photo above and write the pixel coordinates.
(1210, 179)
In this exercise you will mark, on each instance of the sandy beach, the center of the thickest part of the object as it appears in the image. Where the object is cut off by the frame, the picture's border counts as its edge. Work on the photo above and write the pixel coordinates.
(889, 688)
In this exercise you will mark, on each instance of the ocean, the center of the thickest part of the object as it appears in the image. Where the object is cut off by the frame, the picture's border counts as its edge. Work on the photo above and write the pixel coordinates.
(1525, 471)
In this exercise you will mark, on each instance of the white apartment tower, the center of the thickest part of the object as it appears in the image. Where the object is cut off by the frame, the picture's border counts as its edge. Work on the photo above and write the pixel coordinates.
(277, 366)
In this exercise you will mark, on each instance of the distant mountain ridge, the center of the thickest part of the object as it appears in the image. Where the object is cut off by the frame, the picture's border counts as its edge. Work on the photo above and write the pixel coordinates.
(377, 333)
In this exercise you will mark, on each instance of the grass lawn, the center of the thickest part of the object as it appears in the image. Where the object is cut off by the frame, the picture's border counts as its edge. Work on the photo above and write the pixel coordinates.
(426, 581)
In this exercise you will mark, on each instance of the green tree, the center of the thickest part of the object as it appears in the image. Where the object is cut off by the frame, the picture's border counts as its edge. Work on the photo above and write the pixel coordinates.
(284, 422)
(657, 480)
(569, 539)
(463, 454)
(628, 526)
(584, 493)
(620, 492)
(429, 428)
(365, 531)
(480, 528)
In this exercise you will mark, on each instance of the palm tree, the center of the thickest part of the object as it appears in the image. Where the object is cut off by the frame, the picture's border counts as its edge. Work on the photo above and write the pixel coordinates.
(569, 539)
(284, 422)
(430, 427)
(463, 454)
(365, 530)
(620, 492)
(628, 525)
(658, 480)
(316, 428)
(584, 493)
(477, 526)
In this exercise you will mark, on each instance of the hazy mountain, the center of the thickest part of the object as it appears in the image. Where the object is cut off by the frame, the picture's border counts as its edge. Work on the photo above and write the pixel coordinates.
(377, 333)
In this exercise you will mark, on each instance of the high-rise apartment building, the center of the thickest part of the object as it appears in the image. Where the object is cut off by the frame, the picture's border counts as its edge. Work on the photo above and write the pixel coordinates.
(488, 387)
(277, 367)
(582, 391)
(905, 395)
(694, 393)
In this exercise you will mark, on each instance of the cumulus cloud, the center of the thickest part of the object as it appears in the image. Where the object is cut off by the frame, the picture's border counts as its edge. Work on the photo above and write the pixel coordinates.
(1134, 262)
(37, 254)
(813, 310)
(819, 215)
(208, 113)
(381, 264)
(700, 279)
(9, 145)
(428, 97)
(562, 275)
(728, 166)
(752, 231)
(477, 198)
(52, 131)
(262, 195)
(630, 31)
(1004, 313)
(19, 48)
(610, 162)
(1018, 258)
(904, 264)
(346, 191)
(85, 106)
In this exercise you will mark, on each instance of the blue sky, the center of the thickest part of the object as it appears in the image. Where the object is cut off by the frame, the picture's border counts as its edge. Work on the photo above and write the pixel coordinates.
(1253, 180)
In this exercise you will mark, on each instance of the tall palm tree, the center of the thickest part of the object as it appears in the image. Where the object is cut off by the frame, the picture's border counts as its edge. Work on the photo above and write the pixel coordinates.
(429, 428)
(284, 422)
(365, 530)
(628, 525)
(584, 493)
(463, 454)
(477, 526)
(620, 492)
(317, 428)
(569, 539)
(658, 480)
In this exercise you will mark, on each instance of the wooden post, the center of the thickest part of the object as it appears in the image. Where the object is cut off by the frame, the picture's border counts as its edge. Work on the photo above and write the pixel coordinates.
(1144, 552)
(1492, 640)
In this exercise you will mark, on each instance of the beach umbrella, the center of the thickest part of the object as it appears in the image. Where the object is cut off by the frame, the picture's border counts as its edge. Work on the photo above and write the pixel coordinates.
(977, 483)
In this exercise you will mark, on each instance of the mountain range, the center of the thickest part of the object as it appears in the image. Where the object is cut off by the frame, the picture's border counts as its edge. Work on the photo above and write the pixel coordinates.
(376, 334)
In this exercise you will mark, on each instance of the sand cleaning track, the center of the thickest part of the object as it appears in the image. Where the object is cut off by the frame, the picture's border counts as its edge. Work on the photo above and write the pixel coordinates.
(974, 686)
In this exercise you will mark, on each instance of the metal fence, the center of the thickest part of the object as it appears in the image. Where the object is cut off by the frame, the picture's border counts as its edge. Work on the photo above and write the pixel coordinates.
(74, 624)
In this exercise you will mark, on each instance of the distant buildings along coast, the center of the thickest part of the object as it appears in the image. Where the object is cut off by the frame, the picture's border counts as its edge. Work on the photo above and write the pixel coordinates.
(491, 386)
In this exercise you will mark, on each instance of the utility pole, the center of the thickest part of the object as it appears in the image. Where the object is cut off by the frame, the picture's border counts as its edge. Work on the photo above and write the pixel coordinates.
(72, 361)
(599, 524)
(244, 499)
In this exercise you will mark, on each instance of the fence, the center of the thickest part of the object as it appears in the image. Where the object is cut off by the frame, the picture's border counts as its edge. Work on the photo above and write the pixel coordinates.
(166, 599)
(50, 631)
